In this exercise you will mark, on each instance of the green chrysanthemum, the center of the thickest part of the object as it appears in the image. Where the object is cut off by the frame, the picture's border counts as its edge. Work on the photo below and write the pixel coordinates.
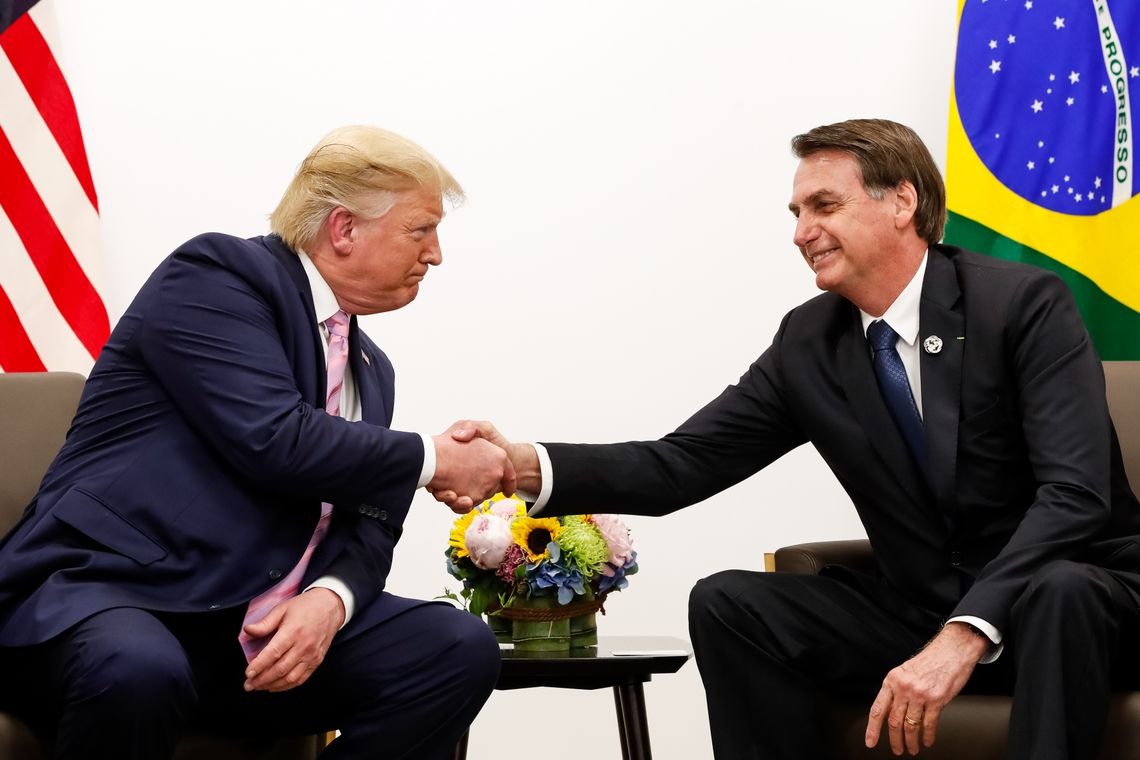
(583, 547)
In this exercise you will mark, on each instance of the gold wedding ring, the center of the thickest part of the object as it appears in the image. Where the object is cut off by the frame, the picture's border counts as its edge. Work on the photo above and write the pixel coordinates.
(911, 721)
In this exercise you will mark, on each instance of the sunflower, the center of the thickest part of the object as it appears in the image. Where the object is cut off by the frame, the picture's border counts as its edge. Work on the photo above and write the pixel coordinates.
(534, 533)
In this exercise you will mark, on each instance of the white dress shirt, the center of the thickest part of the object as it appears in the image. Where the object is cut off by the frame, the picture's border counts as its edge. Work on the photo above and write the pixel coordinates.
(325, 305)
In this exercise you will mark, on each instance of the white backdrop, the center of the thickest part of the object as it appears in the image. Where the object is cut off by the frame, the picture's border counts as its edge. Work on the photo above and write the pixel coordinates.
(625, 252)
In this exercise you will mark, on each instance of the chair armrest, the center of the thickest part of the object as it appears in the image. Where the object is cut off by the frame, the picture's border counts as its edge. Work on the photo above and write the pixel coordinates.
(809, 558)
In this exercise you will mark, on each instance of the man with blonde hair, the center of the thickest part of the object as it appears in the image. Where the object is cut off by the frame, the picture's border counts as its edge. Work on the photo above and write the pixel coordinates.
(210, 548)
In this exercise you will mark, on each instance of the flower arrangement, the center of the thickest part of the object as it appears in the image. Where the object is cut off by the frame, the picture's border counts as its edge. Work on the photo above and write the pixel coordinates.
(505, 558)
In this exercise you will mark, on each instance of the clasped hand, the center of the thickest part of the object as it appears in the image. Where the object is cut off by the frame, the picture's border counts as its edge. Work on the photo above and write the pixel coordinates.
(470, 465)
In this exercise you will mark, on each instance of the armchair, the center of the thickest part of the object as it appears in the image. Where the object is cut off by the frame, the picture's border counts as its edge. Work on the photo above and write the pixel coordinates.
(975, 726)
(36, 409)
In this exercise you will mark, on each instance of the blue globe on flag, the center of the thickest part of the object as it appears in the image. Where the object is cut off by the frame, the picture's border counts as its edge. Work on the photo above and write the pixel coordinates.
(1047, 93)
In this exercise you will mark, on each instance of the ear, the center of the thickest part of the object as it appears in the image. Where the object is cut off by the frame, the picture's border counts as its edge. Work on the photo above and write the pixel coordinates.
(341, 227)
(906, 204)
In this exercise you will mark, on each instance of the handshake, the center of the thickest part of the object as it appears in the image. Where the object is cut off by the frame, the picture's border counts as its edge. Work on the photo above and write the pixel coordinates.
(473, 461)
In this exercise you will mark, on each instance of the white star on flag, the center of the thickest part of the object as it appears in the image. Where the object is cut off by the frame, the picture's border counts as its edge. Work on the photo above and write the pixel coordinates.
(1058, 23)
(1096, 182)
(1011, 39)
(1028, 5)
(1030, 165)
(995, 67)
(1037, 106)
(1074, 77)
(1068, 101)
(993, 44)
(1134, 71)
(1056, 188)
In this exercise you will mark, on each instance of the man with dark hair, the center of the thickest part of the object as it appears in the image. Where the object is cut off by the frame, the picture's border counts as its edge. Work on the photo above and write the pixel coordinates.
(960, 403)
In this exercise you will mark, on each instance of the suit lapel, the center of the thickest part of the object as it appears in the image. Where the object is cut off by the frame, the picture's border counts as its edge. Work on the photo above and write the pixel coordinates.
(941, 373)
(292, 265)
(858, 377)
(371, 399)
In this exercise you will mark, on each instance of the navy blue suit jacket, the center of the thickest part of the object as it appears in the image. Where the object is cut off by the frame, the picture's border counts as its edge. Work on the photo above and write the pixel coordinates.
(194, 470)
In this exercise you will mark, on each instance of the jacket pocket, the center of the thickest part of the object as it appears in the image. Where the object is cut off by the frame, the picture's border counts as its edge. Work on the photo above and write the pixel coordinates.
(97, 521)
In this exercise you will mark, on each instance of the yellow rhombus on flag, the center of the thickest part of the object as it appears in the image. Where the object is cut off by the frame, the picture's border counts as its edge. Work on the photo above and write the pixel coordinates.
(1041, 161)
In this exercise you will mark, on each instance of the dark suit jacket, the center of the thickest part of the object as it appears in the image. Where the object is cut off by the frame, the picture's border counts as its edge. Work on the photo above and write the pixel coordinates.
(194, 470)
(1024, 464)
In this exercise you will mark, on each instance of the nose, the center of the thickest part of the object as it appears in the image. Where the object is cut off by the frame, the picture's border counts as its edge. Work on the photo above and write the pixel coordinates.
(432, 254)
(806, 230)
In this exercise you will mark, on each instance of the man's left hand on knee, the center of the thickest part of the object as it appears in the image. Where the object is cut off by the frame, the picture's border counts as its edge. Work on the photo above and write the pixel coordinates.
(913, 694)
(303, 628)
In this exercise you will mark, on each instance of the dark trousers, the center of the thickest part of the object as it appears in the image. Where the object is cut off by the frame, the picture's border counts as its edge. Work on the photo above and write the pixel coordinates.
(126, 683)
(772, 648)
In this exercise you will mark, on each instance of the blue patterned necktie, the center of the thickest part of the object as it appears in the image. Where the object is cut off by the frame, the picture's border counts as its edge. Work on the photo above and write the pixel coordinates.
(895, 387)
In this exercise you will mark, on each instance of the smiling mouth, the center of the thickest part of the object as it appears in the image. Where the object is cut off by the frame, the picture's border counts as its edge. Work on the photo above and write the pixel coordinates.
(816, 258)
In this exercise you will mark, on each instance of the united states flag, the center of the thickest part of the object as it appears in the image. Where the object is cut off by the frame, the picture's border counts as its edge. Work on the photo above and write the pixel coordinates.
(51, 312)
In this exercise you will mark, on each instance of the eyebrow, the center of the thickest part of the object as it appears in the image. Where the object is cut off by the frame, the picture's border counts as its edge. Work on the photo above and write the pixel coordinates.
(811, 199)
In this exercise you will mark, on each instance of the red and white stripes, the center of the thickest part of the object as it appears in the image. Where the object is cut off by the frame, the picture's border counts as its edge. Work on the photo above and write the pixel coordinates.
(51, 313)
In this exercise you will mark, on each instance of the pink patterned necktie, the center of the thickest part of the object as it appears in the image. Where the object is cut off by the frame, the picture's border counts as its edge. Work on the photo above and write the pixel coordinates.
(288, 586)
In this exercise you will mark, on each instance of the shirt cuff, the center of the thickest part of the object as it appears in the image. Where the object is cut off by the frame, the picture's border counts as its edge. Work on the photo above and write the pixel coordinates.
(337, 586)
(428, 472)
(986, 629)
(546, 472)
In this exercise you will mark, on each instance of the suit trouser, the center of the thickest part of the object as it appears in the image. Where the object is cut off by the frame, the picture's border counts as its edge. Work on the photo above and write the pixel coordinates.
(773, 648)
(126, 683)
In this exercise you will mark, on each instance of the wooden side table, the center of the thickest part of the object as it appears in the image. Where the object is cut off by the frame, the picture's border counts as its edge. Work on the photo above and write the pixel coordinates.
(623, 663)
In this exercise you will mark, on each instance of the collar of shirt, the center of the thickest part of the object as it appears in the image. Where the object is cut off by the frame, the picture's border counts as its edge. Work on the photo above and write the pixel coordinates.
(324, 300)
(902, 315)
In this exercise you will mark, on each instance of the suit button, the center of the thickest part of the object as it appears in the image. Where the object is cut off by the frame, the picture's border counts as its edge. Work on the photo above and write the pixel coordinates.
(955, 558)
(364, 509)
(275, 574)
(382, 514)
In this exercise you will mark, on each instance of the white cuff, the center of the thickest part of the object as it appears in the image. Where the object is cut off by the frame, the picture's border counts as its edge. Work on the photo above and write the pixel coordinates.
(428, 472)
(986, 629)
(546, 472)
(337, 586)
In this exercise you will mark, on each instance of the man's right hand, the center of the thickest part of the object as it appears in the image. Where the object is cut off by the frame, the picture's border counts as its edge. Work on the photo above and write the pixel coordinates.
(467, 472)
(522, 456)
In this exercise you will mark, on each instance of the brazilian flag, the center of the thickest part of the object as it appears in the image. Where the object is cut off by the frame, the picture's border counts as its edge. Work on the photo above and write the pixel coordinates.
(1041, 163)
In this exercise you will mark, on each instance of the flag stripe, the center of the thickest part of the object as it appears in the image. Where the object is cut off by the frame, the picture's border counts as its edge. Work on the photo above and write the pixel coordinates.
(50, 172)
(58, 347)
(70, 289)
(38, 70)
(1115, 328)
(16, 352)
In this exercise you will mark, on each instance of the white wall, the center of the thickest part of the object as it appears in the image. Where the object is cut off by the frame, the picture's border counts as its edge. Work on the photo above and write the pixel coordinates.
(625, 252)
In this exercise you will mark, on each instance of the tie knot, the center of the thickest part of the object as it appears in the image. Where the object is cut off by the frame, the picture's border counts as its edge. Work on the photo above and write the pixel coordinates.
(881, 336)
(337, 324)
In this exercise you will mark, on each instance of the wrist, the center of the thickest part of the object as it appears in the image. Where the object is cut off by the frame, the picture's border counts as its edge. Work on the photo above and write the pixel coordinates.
(971, 640)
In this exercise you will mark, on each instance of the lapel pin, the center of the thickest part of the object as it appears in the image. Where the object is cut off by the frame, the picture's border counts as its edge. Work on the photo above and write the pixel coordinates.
(364, 356)
(932, 345)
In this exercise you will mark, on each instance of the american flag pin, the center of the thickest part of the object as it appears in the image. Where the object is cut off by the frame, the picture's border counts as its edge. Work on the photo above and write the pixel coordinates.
(364, 356)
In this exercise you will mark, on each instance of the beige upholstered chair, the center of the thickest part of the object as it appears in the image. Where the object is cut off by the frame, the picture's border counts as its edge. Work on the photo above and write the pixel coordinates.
(35, 412)
(974, 726)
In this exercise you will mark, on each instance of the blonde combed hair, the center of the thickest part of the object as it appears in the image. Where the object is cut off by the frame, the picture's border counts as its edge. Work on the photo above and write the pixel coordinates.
(360, 168)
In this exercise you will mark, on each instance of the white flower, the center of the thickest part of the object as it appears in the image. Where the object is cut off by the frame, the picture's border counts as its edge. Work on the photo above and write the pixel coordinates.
(487, 539)
(617, 538)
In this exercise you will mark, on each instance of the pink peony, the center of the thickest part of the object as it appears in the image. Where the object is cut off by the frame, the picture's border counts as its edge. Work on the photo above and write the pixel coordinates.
(617, 538)
(487, 539)
(508, 509)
